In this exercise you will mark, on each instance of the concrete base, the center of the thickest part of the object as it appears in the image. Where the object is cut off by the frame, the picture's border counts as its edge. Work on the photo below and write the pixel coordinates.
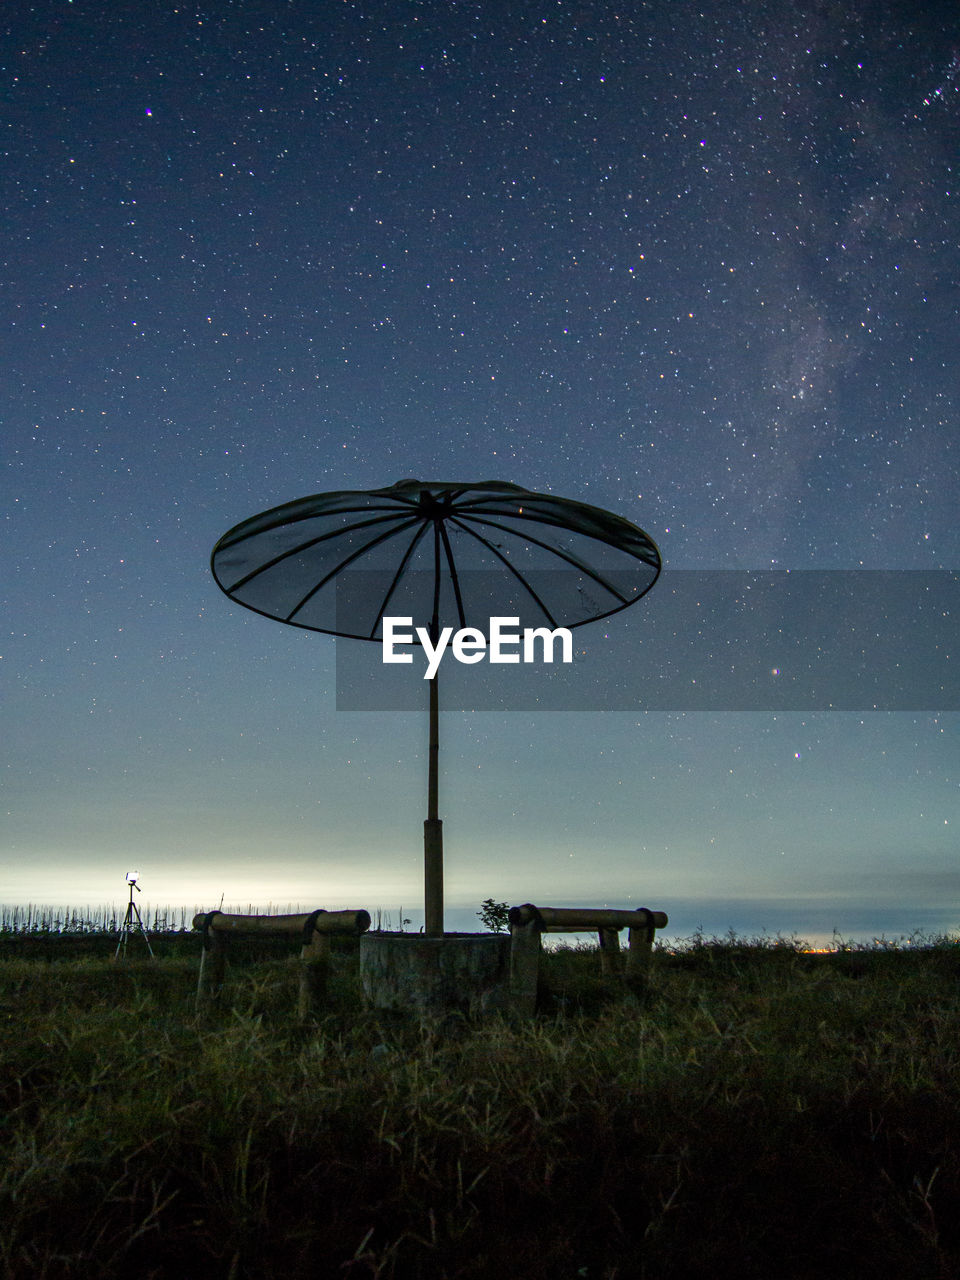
(460, 972)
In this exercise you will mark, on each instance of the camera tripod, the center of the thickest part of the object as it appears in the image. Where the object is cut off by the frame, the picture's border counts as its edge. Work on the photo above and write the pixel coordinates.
(128, 926)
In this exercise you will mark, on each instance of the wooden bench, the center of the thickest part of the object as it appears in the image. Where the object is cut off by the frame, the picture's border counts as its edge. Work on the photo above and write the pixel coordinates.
(528, 923)
(314, 929)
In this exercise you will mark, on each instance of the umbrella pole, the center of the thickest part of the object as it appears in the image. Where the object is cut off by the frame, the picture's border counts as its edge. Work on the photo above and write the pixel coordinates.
(433, 827)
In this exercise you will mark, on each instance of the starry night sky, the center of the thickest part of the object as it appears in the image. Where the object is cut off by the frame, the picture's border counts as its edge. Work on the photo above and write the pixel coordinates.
(694, 263)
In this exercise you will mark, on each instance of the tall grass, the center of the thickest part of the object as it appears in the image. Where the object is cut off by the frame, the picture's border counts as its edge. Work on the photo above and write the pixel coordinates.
(756, 1112)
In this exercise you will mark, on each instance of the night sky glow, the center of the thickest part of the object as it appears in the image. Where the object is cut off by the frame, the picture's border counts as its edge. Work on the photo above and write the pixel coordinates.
(697, 264)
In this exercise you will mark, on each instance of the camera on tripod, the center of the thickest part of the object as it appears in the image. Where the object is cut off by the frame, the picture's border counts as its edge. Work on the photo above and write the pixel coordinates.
(132, 922)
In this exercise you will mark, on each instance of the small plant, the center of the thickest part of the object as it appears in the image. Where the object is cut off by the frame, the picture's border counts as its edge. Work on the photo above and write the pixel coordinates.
(495, 915)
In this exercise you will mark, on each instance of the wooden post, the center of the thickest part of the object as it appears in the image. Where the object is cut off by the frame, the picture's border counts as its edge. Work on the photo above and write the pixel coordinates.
(433, 827)
(213, 960)
(525, 965)
(610, 959)
(433, 878)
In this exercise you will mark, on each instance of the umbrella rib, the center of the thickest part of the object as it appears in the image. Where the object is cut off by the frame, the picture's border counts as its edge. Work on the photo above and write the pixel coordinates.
(435, 613)
(513, 569)
(355, 555)
(302, 546)
(563, 555)
(396, 579)
(454, 576)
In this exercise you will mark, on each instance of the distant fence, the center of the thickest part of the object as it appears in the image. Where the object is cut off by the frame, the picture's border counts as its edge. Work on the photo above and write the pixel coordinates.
(34, 919)
(528, 923)
(314, 930)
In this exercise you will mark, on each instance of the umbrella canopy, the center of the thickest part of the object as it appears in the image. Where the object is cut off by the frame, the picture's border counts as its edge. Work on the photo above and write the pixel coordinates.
(445, 554)
(441, 554)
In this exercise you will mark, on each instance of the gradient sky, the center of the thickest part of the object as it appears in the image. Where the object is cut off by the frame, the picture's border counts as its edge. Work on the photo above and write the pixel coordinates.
(694, 263)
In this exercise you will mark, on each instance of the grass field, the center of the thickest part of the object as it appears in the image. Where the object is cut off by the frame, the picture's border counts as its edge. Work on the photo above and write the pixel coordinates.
(757, 1112)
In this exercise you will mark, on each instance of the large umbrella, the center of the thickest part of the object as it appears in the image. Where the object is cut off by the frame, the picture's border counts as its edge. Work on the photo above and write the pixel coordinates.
(442, 555)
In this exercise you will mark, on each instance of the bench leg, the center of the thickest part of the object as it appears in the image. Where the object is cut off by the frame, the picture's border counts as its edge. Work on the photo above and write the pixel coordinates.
(524, 967)
(314, 970)
(640, 951)
(610, 959)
